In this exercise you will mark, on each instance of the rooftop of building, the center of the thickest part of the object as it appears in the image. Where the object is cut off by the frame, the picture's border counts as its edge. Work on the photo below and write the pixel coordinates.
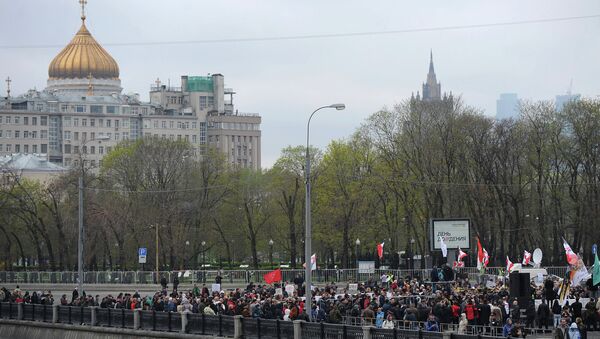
(29, 163)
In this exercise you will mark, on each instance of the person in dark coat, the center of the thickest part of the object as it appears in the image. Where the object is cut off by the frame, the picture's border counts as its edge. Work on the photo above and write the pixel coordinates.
(175, 282)
(543, 314)
(484, 313)
(530, 314)
(163, 283)
(549, 291)
(576, 308)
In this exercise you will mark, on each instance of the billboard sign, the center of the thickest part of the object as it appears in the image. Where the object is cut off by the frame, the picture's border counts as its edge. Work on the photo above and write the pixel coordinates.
(455, 233)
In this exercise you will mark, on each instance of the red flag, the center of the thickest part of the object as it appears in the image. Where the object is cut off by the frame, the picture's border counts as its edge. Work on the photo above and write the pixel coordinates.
(273, 276)
(526, 258)
(509, 265)
(483, 257)
(571, 256)
(461, 254)
(380, 250)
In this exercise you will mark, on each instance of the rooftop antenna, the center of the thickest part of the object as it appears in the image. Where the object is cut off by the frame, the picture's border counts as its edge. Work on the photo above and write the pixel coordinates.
(8, 81)
(569, 90)
(157, 82)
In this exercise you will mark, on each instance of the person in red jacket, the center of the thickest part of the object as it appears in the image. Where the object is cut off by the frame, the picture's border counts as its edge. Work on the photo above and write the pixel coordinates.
(455, 308)
(471, 312)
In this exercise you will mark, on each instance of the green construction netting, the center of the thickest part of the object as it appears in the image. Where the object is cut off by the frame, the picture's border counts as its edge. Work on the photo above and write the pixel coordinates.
(200, 84)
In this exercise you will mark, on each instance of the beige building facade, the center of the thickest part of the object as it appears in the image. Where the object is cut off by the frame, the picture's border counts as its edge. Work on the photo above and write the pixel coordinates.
(82, 114)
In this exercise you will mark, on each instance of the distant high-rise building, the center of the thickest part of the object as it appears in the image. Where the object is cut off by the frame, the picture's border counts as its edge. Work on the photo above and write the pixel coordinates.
(562, 99)
(432, 98)
(432, 90)
(507, 106)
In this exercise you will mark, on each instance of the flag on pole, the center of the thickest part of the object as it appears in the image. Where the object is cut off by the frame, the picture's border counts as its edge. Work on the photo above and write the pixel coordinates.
(596, 271)
(571, 256)
(579, 273)
(482, 256)
(509, 265)
(273, 276)
(563, 290)
(380, 250)
(313, 262)
(458, 264)
(461, 254)
(526, 258)
(443, 247)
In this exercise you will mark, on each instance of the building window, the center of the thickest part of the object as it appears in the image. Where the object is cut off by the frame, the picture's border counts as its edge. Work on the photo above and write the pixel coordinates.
(80, 108)
(17, 120)
(92, 150)
(34, 121)
(64, 108)
(108, 122)
(84, 136)
(44, 148)
(25, 134)
(164, 124)
(76, 149)
(35, 149)
(83, 122)
(203, 103)
(25, 120)
(67, 135)
(8, 148)
(67, 148)
(76, 135)
(33, 134)
(171, 124)
(194, 138)
(17, 148)
(92, 122)
(194, 125)
(155, 123)
(44, 134)
(97, 109)
(67, 122)
(76, 122)
(25, 148)
(17, 134)
(111, 109)
(117, 123)
(100, 149)
(100, 123)
(43, 121)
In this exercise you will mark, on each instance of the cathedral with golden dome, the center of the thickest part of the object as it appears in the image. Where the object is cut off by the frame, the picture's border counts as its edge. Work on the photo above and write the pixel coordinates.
(82, 114)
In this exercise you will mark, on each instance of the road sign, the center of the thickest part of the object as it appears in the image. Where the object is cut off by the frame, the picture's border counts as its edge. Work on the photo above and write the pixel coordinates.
(142, 251)
(594, 249)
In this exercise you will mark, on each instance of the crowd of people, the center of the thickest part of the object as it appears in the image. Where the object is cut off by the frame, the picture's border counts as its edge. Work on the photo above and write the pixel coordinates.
(440, 302)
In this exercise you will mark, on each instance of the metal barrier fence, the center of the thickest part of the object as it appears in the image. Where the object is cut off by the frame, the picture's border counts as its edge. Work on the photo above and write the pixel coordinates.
(471, 330)
(222, 326)
(234, 277)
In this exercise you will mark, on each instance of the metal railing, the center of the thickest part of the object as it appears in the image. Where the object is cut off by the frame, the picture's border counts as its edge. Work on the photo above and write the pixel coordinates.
(321, 276)
(194, 323)
(470, 330)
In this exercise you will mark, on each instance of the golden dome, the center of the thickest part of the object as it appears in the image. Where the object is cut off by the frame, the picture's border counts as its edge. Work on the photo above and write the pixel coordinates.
(81, 57)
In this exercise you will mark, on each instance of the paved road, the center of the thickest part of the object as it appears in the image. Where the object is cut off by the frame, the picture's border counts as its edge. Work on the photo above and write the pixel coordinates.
(105, 289)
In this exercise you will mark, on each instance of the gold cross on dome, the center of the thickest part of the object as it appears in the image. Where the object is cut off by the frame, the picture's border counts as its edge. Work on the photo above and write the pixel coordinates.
(83, 3)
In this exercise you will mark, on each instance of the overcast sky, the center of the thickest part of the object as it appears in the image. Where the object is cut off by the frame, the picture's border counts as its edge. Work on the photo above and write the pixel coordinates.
(285, 80)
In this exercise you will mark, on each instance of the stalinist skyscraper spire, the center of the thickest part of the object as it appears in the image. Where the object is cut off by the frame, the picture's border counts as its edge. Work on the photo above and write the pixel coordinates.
(432, 90)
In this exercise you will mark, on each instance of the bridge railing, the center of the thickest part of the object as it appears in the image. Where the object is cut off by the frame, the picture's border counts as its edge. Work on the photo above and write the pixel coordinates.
(221, 325)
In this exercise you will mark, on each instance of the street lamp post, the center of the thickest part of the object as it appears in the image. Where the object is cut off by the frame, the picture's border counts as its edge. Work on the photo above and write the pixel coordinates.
(412, 255)
(203, 261)
(308, 231)
(357, 242)
(80, 243)
(271, 253)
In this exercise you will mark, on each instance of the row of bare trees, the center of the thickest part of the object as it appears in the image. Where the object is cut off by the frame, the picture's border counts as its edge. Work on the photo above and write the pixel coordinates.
(524, 184)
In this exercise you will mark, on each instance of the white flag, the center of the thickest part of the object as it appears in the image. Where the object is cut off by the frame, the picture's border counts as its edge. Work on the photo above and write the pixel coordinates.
(443, 247)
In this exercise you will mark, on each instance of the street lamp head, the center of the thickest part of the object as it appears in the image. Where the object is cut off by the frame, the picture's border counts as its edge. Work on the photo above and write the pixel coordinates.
(203, 243)
(412, 240)
(187, 242)
(357, 242)
(339, 107)
(271, 242)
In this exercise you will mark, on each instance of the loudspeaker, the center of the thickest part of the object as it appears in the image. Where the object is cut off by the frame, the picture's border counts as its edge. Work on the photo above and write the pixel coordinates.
(520, 288)
(514, 284)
